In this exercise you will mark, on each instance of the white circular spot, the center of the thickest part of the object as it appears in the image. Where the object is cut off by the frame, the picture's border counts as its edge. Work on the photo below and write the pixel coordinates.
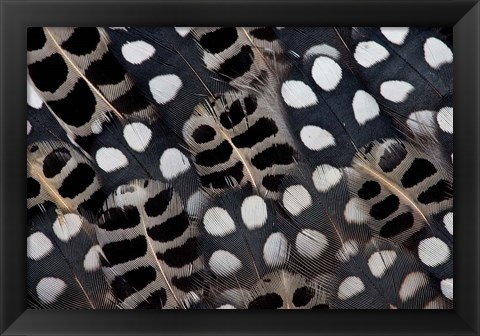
(445, 119)
(173, 163)
(218, 222)
(183, 31)
(433, 251)
(316, 138)
(365, 107)
(38, 246)
(322, 49)
(29, 127)
(224, 263)
(297, 94)
(226, 306)
(96, 127)
(356, 211)
(447, 288)
(92, 261)
(437, 53)
(396, 91)
(380, 262)
(165, 87)
(395, 35)
(326, 177)
(311, 243)
(448, 221)
(254, 212)
(369, 53)
(137, 135)
(348, 250)
(49, 289)
(326, 73)
(422, 122)
(195, 203)
(275, 250)
(110, 159)
(411, 284)
(33, 99)
(67, 226)
(296, 199)
(350, 287)
(137, 52)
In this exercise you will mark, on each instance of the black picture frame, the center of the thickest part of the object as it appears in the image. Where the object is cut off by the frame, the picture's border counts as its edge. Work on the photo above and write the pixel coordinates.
(17, 15)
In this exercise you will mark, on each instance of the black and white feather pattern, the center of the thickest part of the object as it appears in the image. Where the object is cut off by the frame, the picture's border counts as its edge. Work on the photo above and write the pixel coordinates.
(240, 168)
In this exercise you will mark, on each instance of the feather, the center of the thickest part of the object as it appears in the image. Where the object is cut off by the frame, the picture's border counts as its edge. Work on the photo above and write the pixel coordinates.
(240, 167)
(64, 264)
(149, 246)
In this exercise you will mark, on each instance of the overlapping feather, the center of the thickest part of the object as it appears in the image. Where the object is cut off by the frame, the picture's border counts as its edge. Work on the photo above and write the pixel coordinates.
(246, 168)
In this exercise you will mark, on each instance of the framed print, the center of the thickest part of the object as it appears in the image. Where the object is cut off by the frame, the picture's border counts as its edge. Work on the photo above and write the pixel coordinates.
(298, 156)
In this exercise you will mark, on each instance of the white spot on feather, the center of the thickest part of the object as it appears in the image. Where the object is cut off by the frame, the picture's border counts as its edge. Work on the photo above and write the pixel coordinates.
(316, 138)
(297, 94)
(396, 91)
(173, 163)
(275, 250)
(165, 87)
(326, 73)
(433, 251)
(137, 135)
(195, 203)
(96, 127)
(365, 107)
(447, 288)
(326, 177)
(445, 119)
(137, 52)
(380, 262)
(92, 261)
(224, 263)
(296, 199)
(38, 246)
(311, 243)
(367, 54)
(67, 226)
(448, 222)
(183, 31)
(350, 287)
(29, 127)
(356, 211)
(226, 306)
(33, 99)
(348, 250)
(110, 159)
(422, 122)
(395, 35)
(49, 289)
(411, 284)
(322, 49)
(437, 53)
(218, 222)
(254, 212)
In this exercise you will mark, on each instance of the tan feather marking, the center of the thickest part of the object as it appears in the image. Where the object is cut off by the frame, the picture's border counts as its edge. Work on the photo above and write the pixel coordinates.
(74, 66)
(393, 188)
(53, 192)
(159, 265)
